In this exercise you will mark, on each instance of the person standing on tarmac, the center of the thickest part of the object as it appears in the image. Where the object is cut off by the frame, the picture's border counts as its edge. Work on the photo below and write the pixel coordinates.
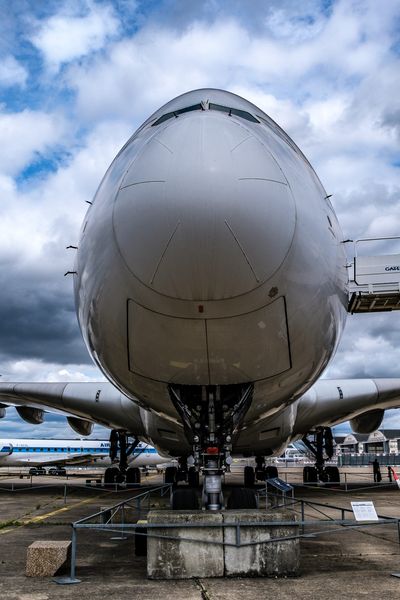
(377, 471)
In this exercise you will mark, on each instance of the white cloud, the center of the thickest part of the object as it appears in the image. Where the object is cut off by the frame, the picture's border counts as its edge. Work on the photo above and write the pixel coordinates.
(369, 348)
(37, 370)
(12, 72)
(67, 35)
(39, 219)
(26, 135)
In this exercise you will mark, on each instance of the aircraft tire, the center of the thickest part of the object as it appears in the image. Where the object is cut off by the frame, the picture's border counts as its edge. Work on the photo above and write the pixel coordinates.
(133, 475)
(249, 477)
(260, 474)
(185, 499)
(193, 478)
(110, 476)
(242, 498)
(170, 475)
(305, 474)
(271, 472)
(333, 474)
(310, 475)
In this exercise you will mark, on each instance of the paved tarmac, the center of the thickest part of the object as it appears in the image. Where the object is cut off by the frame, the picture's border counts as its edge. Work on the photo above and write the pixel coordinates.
(344, 563)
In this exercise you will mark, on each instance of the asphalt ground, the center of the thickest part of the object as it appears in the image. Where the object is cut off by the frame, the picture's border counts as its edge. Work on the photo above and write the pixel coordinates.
(341, 563)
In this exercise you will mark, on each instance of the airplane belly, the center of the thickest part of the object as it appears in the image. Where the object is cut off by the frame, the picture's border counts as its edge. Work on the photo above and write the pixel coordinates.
(218, 351)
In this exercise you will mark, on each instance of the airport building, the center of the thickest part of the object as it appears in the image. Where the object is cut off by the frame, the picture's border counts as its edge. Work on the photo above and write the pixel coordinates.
(361, 449)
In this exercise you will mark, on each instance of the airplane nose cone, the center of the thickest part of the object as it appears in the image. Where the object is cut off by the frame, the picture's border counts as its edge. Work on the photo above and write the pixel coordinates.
(204, 211)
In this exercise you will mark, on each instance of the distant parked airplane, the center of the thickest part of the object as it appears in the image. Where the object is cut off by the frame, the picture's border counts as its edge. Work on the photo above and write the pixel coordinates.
(34, 453)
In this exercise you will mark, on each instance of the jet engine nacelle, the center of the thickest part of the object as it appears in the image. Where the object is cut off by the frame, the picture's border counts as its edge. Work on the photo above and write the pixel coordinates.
(2, 411)
(34, 416)
(80, 426)
(367, 422)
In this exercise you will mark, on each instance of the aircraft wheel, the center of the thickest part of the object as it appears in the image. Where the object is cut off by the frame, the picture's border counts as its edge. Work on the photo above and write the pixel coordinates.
(333, 474)
(181, 475)
(260, 474)
(310, 475)
(271, 472)
(170, 475)
(133, 475)
(185, 499)
(110, 476)
(193, 478)
(242, 498)
(249, 477)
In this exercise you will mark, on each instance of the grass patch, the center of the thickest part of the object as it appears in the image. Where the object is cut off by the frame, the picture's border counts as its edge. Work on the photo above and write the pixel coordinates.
(11, 523)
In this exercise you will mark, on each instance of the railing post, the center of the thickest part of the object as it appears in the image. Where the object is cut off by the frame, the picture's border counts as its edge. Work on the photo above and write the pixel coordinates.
(73, 553)
(71, 578)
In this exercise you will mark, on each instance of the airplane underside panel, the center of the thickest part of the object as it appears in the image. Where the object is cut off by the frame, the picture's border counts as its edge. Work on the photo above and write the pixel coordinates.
(239, 349)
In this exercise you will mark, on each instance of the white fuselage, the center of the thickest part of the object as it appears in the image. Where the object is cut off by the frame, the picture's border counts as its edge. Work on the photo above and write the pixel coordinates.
(27, 452)
(212, 256)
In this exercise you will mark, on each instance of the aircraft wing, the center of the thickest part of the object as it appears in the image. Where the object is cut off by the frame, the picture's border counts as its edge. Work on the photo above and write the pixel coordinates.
(82, 403)
(326, 403)
(361, 401)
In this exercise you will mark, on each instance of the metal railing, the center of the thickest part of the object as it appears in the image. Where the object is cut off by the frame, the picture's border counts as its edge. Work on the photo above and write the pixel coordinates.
(103, 521)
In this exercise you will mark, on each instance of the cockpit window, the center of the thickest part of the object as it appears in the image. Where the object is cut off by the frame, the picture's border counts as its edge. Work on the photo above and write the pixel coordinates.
(231, 111)
(176, 113)
(234, 111)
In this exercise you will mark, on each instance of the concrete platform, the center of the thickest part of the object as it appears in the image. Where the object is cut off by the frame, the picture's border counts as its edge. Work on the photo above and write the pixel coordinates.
(264, 557)
(179, 559)
(349, 564)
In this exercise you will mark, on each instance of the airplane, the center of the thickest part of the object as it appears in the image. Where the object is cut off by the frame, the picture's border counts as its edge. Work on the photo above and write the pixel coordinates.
(46, 452)
(211, 288)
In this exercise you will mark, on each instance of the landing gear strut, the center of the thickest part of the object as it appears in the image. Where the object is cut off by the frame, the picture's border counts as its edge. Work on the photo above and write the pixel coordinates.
(119, 445)
(320, 444)
(211, 416)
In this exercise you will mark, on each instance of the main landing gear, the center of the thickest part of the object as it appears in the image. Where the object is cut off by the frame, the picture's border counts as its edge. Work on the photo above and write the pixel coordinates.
(260, 473)
(119, 473)
(211, 416)
(320, 444)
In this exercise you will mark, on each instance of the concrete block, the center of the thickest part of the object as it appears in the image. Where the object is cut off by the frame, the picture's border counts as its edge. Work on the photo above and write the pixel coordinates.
(178, 559)
(45, 558)
(269, 559)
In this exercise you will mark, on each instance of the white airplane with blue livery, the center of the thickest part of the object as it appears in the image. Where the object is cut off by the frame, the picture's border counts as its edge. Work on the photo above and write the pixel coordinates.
(212, 287)
(46, 452)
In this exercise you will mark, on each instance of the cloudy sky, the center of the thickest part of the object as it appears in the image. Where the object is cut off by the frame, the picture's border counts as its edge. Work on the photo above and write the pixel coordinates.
(78, 77)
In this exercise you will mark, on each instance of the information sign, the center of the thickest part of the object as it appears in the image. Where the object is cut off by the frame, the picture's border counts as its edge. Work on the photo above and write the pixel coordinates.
(364, 511)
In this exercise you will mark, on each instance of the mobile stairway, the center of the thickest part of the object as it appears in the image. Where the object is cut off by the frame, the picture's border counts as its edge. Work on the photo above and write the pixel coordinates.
(374, 280)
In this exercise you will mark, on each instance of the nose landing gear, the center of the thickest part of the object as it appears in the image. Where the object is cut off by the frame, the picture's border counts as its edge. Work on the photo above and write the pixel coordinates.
(211, 416)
